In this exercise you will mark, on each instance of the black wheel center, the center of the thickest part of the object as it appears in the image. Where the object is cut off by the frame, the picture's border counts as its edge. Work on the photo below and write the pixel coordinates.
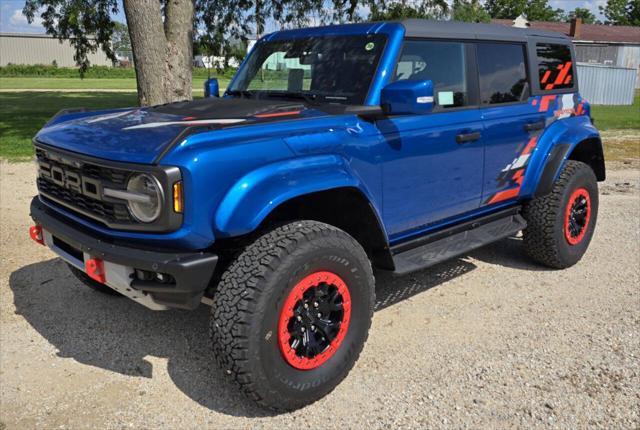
(578, 216)
(316, 320)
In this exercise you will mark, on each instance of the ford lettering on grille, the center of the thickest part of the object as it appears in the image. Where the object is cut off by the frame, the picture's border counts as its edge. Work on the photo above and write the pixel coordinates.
(71, 180)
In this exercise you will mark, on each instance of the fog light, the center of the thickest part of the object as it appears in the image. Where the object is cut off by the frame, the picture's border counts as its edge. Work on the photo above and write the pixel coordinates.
(164, 278)
(145, 275)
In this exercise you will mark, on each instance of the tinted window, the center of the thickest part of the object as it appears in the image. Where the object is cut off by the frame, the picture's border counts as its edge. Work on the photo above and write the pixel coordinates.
(555, 69)
(441, 62)
(336, 69)
(503, 73)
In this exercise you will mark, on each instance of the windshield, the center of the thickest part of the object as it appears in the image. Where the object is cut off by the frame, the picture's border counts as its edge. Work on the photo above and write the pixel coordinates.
(336, 69)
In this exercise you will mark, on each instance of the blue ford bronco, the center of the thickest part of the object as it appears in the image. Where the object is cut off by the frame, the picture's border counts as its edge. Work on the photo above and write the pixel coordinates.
(393, 145)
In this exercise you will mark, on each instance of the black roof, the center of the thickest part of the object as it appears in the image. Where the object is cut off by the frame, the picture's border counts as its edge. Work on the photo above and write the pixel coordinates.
(465, 30)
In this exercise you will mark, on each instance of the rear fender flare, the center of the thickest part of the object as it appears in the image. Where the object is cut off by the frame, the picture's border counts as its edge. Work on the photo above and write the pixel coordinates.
(554, 148)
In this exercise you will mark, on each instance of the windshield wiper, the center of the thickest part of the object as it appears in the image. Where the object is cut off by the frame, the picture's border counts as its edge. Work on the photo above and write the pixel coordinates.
(242, 93)
(308, 97)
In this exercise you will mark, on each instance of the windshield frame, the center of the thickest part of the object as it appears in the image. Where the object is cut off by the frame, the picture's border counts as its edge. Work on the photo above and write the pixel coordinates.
(308, 96)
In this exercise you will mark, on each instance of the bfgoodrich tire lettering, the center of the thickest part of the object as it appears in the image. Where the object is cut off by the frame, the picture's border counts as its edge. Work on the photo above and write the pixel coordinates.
(248, 303)
(545, 239)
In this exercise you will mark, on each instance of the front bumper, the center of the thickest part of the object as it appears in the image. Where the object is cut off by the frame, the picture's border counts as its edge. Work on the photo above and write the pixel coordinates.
(192, 272)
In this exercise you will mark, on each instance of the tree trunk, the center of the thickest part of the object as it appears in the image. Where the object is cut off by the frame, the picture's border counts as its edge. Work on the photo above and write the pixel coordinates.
(162, 51)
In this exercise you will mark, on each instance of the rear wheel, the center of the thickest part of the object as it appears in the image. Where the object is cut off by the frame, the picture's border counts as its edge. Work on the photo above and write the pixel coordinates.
(94, 285)
(291, 314)
(560, 224)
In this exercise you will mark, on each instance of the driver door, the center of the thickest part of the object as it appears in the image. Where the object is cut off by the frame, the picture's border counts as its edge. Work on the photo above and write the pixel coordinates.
(433, 163)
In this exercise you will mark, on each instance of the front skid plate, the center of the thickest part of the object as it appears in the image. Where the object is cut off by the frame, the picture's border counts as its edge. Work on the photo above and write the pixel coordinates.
(118, 277)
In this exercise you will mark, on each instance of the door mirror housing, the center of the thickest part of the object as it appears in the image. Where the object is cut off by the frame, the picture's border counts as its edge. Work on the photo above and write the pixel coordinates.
(211, 88)
(407, 98)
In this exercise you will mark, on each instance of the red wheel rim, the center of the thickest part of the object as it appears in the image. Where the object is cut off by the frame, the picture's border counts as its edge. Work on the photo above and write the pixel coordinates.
(324, 321)
(577, 216)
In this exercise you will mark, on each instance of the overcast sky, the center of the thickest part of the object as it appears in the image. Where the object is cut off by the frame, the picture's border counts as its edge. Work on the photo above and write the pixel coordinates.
(12, 20)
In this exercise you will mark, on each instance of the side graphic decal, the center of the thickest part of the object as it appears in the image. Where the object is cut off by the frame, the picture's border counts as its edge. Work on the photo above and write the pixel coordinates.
(513, 174)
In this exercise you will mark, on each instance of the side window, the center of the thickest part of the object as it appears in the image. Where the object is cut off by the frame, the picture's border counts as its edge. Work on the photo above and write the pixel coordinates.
(503, 73)
(555, 69)
(441, 62)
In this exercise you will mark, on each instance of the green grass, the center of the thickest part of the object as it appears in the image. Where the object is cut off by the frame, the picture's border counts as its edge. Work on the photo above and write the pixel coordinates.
(22, 114)
(40, 70)
(49, 83)
(617, 117)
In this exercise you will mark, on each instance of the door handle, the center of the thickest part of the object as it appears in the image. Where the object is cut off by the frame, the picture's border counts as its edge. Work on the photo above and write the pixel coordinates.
(468, 137)
(532, 126)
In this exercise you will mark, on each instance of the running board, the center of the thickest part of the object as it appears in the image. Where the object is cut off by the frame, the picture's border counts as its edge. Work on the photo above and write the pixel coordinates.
(442, 245)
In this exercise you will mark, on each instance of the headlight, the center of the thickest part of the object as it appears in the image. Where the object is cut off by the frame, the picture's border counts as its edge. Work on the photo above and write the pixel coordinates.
(147, 208)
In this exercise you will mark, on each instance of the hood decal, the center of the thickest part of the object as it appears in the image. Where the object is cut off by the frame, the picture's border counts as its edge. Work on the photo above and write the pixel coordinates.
(186, 123)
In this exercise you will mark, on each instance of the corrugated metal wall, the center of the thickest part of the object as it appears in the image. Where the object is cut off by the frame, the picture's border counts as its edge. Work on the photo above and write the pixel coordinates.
(41, 49)
(629, 57)
(606, 85)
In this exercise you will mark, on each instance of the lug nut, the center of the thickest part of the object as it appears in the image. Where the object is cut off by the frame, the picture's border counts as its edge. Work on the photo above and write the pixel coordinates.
(306, 305)
(313, 327)
(315, 304)
(299, 318)
(319, 315)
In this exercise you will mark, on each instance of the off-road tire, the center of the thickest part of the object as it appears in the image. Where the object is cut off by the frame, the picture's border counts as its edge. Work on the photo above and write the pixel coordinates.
(252, 294)
(544, 238)
(94, 285)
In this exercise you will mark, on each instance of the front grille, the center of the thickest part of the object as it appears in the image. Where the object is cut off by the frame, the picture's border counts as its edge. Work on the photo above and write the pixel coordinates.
(107, 212)
(106, 175)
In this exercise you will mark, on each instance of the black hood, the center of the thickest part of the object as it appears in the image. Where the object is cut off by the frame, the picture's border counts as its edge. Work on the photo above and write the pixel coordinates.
(228, 108)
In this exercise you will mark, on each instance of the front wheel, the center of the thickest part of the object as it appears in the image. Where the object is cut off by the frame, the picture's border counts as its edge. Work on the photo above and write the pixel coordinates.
(292, 312)
(560, 224)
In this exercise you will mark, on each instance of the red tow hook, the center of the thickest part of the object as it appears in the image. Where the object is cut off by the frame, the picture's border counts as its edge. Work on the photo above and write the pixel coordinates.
(95, 269)
(36, 234)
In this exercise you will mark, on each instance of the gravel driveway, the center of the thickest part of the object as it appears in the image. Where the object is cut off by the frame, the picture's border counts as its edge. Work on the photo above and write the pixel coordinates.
(489, 340)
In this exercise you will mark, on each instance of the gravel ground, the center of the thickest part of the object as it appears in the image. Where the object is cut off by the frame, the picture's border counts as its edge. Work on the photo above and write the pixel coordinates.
(488, 340)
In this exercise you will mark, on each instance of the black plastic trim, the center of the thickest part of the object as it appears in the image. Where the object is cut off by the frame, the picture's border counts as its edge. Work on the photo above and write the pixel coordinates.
(457, 241)
(451, 230)
(552, 166)
(191, 270)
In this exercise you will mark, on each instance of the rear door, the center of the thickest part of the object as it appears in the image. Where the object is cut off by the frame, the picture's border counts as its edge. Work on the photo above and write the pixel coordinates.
(511, 121)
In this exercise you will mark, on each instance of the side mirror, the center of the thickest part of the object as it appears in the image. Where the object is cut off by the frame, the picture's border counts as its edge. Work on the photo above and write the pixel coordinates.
(211, 88)
(407, 97)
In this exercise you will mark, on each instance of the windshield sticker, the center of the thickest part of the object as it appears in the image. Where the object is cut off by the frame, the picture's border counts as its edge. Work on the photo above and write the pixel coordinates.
(369, 46)
(445, 98)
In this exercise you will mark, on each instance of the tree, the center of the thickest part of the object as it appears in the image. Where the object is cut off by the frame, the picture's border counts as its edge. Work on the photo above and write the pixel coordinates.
(469, 11)
(621, 12)
(161, 39)
(120, 39)
(534, 10)
(427, 9)
(76, 20)
(584, 14)
(226, 22)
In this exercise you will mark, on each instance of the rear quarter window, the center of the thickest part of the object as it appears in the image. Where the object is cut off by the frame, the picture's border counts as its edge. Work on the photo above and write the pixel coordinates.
(555, 68)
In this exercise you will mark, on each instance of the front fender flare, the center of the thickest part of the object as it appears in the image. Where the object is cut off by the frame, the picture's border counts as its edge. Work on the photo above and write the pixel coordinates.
(256, 194)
